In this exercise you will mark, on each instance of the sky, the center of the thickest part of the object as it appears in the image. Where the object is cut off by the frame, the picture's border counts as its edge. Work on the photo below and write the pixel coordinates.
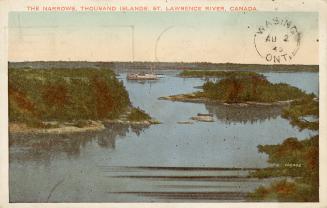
(217, 37)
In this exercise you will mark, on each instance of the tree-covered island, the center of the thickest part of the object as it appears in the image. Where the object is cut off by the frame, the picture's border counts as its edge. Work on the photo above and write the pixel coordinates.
(68, 100)
(239, 88)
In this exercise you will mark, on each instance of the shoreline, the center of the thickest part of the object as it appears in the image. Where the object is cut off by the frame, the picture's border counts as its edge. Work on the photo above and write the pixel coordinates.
(191, 98)
(62, 129)
(69, 128)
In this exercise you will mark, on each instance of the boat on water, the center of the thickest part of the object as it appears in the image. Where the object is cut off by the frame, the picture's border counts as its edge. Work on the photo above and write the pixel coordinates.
(143, 76)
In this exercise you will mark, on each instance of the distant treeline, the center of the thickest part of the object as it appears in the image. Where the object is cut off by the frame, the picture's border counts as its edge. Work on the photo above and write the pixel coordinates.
(140, 66)
(215, 73)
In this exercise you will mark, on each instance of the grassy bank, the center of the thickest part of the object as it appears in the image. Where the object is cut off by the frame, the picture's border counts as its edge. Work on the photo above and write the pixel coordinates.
(38, 96)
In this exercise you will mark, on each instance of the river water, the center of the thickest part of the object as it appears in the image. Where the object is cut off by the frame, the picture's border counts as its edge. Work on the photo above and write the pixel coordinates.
(169, 162)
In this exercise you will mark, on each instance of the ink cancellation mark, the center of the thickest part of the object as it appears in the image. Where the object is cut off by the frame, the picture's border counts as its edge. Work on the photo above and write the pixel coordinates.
(277, 41)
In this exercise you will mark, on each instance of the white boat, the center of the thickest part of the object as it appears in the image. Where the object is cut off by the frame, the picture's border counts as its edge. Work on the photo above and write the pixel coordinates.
(142, 76)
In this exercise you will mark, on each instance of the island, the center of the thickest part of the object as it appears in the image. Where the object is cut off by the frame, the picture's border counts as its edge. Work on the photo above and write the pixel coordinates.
(239, 88)
(69, 100)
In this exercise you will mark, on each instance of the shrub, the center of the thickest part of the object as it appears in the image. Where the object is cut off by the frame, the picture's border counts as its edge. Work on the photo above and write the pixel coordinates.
(299, 109)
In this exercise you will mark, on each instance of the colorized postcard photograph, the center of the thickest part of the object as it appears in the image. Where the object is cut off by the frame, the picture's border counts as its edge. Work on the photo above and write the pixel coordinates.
(172, 103)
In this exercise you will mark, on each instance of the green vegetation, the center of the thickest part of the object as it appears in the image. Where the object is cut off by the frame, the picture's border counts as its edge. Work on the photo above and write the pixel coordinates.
(39, 95)
(294, 158)
(286, 191)
(252, 67)
(300, 109)
(218, 74)
(255, 88)
(238, 87)
(138, 115)
(297, 159)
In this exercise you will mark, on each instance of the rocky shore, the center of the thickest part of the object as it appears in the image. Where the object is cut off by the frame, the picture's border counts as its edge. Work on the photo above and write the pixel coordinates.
(74, 127)
(55, 129)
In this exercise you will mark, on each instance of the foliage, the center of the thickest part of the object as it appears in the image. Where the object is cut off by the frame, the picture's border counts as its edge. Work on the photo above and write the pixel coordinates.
(293, 151)
(286, 191)
(300, 109)
(256, 88)
(38, 95)
(138, 115)
(293, 158)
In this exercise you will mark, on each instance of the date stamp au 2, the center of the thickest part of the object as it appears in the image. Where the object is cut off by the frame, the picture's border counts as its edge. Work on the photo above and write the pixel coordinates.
(277, 40)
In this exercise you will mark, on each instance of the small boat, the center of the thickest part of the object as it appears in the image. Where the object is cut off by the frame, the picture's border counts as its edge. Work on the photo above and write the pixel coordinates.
(143, 76)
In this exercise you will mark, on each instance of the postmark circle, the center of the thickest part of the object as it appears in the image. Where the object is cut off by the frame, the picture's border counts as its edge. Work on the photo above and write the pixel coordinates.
(277, 40)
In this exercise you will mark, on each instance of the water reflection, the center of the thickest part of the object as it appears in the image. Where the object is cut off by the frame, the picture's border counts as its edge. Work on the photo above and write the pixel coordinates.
(43, 147)
(243, 114)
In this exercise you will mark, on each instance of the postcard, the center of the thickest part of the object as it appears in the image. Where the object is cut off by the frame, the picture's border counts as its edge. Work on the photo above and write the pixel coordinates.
(162, 103)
